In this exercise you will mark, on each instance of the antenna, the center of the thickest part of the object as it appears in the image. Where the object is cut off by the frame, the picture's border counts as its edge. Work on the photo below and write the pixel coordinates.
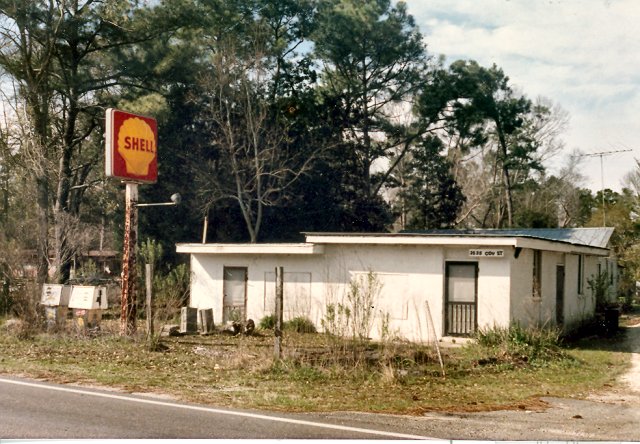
(601, 154)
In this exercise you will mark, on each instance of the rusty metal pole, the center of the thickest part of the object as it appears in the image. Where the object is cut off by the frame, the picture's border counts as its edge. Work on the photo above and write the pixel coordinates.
(128, 291)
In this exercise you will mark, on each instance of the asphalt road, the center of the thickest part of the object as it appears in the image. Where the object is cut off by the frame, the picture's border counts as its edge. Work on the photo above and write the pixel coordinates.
(30, 409)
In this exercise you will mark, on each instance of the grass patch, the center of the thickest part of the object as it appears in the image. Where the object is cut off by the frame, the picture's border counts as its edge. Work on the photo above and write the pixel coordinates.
(239, 371)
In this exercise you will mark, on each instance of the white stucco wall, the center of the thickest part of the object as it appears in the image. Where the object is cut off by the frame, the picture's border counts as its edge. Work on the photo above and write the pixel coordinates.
(207, 283)
(579, 306)
(410, 276)
(526, 309)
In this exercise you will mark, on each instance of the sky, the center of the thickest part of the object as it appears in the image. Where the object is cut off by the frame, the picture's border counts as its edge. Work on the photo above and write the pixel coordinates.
(584, 55)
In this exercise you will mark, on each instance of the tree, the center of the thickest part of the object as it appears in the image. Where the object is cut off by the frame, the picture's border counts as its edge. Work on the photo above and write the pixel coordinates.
(496, 138)
(61, 54)
(431, 198)
(248, 97)
(373, 57)
(29, 31)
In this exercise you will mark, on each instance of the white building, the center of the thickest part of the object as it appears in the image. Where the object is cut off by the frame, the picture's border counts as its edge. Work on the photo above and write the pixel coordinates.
(442, 283)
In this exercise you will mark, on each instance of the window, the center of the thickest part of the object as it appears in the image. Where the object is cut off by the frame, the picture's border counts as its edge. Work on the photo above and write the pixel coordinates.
(580, 273)
(537, 274)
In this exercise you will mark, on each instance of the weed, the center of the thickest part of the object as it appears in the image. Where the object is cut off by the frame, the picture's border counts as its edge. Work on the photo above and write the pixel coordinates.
(267, 323)
(300, 324)
(353, 320)
(239, 372)
(599, 284)
(516, 344)
(29, 313)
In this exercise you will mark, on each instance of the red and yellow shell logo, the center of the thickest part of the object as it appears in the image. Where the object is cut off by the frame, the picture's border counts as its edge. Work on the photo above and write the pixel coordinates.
(137, 145)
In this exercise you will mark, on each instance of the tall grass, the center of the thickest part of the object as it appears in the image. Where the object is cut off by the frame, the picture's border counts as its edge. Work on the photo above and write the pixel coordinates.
(533, 345)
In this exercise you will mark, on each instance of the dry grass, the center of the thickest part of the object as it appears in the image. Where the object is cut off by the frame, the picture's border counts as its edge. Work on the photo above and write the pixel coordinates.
(239, 371)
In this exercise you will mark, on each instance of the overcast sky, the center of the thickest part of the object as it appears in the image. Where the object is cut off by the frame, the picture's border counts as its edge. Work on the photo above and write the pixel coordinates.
(582, 54)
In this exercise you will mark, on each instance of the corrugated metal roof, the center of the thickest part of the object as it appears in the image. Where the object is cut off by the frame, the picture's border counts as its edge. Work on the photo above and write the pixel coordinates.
(592, 237)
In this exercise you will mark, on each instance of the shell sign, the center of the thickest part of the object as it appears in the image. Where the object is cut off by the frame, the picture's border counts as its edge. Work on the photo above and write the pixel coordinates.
(131, 147)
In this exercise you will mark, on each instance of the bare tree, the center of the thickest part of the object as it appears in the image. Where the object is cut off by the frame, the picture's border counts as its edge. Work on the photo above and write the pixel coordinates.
(251, 161)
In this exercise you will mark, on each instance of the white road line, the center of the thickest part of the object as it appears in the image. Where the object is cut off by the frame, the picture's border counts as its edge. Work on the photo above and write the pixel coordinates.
(218, 411)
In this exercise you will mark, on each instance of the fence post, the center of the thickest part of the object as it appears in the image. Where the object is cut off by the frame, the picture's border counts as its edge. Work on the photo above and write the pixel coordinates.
(278, 312)
(148, 279)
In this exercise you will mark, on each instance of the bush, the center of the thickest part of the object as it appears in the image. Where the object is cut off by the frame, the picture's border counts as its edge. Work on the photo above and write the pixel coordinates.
(300, 325)
(267, 323)
(529, 345)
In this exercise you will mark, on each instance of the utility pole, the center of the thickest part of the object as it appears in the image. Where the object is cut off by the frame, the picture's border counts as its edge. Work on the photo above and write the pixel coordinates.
(601, 154)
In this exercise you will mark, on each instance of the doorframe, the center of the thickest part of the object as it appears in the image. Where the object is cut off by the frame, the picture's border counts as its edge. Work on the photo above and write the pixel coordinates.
(246, 278)
(445, 324)
(559, 302)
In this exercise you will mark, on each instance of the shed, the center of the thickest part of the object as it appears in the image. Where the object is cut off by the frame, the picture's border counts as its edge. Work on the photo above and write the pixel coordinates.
(421, 284)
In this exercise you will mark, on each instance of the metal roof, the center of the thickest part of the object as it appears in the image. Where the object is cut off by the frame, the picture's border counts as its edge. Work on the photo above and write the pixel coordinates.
(592, 237)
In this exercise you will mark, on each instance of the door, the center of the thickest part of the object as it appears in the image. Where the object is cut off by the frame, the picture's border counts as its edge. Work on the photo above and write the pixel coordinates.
(234, 302)
(559, 294)
(461, 294)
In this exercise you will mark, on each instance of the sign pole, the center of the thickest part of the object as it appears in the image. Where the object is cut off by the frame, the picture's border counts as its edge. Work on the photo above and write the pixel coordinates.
(128, 289)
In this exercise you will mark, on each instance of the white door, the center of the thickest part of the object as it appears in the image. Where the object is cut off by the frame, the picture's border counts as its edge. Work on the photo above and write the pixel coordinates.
(235, 294)
(461, 295)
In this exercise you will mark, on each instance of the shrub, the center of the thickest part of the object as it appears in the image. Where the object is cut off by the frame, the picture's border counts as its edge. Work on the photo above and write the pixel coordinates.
(300, 324)
(27, 310)
(533, 345)
(267, 323)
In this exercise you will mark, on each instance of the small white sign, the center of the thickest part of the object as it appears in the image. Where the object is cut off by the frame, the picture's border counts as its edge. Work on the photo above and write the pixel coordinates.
(55, 295)
(88, 297)
(483, 252)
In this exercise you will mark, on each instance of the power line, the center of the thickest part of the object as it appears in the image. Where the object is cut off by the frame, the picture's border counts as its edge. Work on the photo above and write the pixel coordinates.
(601, 154)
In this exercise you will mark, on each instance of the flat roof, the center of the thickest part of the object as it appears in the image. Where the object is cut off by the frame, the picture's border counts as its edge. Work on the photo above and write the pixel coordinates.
(574, 240)
(245, 248)
(566, 240)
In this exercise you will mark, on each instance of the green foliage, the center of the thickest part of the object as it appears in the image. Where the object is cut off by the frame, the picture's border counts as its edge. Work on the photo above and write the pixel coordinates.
(519, 345)
(267, 322)
(348, 324)
(173, 287)
(300, 324)
(151, 252)
(431, 198)
(599, 286)
(303, 149)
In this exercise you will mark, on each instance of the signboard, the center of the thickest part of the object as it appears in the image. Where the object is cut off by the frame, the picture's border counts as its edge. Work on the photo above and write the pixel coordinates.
(131, 147)
(484, 252)
(55, 295)
(88, 297)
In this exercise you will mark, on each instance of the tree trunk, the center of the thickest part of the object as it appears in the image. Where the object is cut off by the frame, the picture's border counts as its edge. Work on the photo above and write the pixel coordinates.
(62, 213)
(42, 255)
(505, 174)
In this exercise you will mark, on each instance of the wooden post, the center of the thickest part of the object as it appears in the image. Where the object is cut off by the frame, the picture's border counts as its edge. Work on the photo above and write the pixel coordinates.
(148, 280)
(128, 289)
(278, 312)
(205, 227)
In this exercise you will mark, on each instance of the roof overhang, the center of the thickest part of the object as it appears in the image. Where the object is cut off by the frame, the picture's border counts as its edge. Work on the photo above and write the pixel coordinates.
(462, 241)
(295, 249)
